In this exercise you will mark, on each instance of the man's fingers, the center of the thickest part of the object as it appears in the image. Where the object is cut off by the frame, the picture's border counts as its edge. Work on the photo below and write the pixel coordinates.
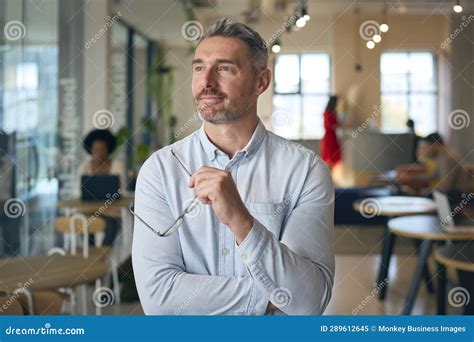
(192, 180)
(203, 192)
(206, 173)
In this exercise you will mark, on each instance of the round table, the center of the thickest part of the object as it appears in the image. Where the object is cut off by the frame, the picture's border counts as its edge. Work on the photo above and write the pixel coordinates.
(423, 227)
(393, 206)
(429, 230)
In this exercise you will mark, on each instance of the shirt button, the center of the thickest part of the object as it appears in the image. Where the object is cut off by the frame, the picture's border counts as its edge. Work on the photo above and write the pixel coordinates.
(225, 251)
(243, 257)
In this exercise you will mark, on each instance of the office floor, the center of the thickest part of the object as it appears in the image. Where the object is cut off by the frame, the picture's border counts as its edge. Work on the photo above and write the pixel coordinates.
(357, 259)
(354, 286)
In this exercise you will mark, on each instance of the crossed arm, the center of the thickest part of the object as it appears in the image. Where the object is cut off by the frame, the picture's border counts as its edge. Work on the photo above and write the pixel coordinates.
(294, 274)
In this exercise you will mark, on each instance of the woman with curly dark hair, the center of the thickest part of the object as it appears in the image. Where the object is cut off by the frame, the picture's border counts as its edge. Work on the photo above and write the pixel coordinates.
(100, 145)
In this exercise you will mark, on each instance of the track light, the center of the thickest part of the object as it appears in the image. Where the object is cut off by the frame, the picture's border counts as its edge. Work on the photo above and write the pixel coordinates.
(457, 8)
(301, 22)
(276, 47)
(384, 28)
(305, 14)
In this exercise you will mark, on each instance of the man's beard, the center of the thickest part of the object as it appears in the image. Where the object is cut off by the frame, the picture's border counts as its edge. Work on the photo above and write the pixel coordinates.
(222, 116)
(230, 113)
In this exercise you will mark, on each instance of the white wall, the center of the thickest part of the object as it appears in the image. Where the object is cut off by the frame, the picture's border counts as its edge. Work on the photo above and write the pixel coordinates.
(462, 78)
(96, 60)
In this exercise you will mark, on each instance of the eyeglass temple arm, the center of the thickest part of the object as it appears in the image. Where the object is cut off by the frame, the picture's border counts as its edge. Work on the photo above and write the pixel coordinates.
(131, 209)
(180, 163)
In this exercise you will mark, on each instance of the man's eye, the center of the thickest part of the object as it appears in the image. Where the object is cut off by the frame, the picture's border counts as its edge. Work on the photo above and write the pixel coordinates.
(198, 68)
(224, 68)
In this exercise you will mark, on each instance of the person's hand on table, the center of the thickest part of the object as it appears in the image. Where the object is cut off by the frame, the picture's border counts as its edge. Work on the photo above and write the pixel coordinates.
(217, 188)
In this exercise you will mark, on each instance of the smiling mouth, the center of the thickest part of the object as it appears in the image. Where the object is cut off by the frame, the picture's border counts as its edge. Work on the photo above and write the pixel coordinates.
(211, 98)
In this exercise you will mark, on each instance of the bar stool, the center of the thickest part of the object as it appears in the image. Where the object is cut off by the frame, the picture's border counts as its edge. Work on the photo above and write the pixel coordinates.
(459, 256)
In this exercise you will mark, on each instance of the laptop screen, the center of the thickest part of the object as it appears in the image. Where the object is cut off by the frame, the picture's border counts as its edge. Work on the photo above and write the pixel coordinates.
(443, 209)
(99, 187)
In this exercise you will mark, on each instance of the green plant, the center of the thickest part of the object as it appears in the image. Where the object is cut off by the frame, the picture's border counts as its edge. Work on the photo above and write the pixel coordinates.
(142, 151)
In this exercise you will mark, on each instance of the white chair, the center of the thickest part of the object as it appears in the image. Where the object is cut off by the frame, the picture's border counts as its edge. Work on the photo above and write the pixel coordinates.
(77, 223)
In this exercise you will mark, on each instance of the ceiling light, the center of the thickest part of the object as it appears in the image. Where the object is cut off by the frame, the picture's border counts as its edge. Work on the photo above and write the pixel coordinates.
(457, 8)
(300, 22)
(276, 47)
(370, 44)
(384, 28)
(377, 38)
(305, 14)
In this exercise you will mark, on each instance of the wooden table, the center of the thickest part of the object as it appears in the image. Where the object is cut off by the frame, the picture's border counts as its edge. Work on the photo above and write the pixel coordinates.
(49, 272)
(385, 178)
(468, 212)
(111, 209)
(428, 230)
(459, 256)
(395, 206)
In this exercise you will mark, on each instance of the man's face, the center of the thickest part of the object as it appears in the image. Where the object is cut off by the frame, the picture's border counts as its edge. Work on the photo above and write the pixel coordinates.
(224, 83)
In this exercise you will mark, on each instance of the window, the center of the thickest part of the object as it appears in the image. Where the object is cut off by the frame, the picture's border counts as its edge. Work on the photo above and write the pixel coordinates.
(409, 91)
(301, 92)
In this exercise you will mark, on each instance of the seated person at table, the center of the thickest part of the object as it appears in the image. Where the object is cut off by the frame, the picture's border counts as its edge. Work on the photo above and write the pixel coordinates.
(99, 144)
(440, 168)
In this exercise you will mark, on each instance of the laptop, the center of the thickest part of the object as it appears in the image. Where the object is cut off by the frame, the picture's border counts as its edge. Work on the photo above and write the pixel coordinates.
(100, 187)
(450, 220)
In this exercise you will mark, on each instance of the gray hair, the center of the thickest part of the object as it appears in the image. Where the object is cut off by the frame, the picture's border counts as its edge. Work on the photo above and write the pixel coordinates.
(228, 28)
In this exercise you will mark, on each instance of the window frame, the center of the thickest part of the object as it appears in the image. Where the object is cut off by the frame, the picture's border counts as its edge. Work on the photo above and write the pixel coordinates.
(409, 92)
(300, 93)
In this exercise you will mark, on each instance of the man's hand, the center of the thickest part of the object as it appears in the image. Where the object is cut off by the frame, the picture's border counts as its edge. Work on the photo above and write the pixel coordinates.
(217, 188)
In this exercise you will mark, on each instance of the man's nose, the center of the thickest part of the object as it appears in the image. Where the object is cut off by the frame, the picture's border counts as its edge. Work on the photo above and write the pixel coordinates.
(210, 78)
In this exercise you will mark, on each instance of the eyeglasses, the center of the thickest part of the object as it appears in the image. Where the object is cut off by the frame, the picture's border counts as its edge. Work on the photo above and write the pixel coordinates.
(179, 221)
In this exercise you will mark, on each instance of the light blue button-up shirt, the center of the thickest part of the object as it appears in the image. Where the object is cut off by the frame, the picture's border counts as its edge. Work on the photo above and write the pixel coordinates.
(287, 258)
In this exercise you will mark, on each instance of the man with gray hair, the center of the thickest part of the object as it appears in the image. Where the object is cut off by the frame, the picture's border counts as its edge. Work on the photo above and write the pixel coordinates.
(233, 219)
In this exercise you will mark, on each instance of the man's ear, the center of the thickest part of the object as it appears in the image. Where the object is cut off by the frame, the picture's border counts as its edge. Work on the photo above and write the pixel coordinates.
(264, 79)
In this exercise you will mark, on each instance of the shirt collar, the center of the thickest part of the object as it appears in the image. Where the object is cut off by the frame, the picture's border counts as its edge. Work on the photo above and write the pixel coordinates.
(249, 150)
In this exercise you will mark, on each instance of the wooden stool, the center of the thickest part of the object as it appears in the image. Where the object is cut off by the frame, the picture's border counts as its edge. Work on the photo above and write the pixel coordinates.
(44, 302)
(459, 256)
(10, 305)
(429, 231)
(79, 224)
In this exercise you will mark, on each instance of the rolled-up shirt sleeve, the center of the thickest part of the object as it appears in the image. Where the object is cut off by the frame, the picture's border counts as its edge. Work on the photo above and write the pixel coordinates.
(297, 272)
(164, 286)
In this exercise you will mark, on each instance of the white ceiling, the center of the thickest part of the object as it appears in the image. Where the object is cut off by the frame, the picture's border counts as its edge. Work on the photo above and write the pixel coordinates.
(162, 20)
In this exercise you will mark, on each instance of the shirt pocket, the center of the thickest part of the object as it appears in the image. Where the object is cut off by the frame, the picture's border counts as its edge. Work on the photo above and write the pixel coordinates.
(271, 215)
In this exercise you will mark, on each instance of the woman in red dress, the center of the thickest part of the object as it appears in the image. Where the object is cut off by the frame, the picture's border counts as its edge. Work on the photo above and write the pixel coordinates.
(330, 148)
